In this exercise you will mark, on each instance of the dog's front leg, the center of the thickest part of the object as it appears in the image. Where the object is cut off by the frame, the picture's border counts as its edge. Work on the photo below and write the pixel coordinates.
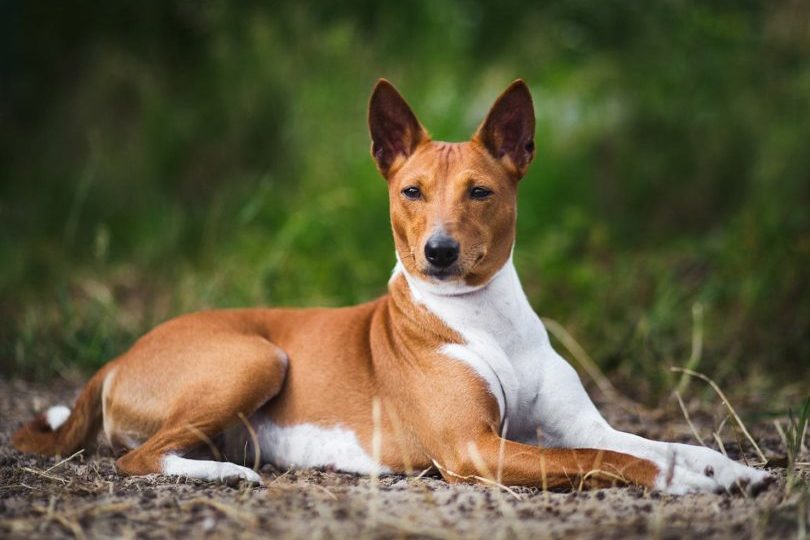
(488, 457)
(569, 419)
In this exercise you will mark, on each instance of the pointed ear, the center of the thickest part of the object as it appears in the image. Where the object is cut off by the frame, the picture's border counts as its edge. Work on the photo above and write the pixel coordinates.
(508, 131)
(395, 131)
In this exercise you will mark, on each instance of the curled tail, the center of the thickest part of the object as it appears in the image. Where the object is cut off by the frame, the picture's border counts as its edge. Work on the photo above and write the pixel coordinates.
(61, 431)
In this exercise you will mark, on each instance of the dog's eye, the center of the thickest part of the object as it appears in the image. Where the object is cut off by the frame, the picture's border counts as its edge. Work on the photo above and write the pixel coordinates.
(412, 193)
(479, 192)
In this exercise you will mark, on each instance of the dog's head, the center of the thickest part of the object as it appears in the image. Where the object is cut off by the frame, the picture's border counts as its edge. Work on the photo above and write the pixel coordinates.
(453, 205)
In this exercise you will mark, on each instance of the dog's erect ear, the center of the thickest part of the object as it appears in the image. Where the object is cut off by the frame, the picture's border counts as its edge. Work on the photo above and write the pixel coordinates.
(508, 131)
(395, 131)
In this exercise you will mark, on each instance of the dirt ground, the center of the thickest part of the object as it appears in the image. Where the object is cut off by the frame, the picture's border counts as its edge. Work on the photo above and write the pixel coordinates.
(85, 498)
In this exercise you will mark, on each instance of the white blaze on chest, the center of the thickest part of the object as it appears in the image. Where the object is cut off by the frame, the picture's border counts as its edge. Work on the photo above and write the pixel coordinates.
(502, 334)
(308, 445)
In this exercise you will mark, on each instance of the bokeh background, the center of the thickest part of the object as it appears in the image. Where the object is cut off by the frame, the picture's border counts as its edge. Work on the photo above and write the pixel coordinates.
(161, 157)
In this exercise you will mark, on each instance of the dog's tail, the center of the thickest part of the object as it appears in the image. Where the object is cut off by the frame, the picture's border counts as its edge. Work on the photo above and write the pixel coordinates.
(60, 431)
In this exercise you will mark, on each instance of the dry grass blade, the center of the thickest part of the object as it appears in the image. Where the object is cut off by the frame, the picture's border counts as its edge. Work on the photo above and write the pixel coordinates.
(502, 450)
(544, 478)
(44, 475)
(617, 477)
(688, 419)
(208, 442)
(326, 491)
(506, 510)
(423, 473)
(399, 439)
(697, 346)
(282, 476)
(727, 403)
(376, 450)
(719, 442)
(481, 479)
(254, 438)
(62, 462)
(479, 462)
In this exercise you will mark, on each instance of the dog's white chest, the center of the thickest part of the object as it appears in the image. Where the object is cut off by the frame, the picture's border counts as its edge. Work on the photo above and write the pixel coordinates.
(513, 378)
(504, 343)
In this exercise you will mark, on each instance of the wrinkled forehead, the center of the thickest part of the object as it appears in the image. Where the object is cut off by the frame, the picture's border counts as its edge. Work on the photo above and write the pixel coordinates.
(440, 162)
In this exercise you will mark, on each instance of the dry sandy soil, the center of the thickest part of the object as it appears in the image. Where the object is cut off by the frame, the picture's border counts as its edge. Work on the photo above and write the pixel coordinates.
(84, 497)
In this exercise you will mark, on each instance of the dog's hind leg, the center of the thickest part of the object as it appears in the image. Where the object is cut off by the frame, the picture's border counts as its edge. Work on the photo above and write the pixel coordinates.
(233, 379)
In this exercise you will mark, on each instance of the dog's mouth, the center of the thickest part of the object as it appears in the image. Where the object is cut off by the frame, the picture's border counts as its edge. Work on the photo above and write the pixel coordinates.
(443, 274)
(454, 271)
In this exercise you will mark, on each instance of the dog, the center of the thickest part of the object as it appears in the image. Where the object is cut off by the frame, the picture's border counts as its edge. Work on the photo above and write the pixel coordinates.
(452, 368)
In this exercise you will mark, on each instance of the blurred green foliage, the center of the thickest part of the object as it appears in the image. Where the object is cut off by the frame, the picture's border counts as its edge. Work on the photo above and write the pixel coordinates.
(159, 157)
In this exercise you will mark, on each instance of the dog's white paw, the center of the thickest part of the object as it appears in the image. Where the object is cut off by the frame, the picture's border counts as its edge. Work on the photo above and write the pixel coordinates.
(707, 471)
(214, 471)
(230, 472)
(676, 479)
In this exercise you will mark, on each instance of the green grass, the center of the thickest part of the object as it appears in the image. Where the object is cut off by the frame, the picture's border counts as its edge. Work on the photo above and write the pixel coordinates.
(162, 159)
(795, 437)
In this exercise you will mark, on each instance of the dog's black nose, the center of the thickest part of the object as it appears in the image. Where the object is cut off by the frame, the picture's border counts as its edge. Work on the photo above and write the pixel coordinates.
(441, 250)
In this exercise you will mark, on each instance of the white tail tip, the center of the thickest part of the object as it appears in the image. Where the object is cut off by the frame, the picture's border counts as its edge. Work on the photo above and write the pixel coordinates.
(56, 416)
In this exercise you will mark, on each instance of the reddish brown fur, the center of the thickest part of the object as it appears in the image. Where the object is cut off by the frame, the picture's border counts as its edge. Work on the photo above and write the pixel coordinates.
(206, 369)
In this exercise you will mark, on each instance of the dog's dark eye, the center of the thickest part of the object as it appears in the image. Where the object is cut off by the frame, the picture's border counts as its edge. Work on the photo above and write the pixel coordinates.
(412, 192)
(479, 192)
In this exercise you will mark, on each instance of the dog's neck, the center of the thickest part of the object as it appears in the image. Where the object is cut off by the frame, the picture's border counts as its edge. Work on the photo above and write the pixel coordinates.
(498, 309)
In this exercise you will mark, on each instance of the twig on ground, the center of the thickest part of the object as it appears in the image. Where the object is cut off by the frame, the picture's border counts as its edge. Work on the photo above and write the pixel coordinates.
(423, 473)
(480, 479)
(52, 467)
(280, 477)
(44, 475)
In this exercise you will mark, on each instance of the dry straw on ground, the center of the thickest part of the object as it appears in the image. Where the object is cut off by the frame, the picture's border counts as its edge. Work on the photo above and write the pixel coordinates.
(83, 497)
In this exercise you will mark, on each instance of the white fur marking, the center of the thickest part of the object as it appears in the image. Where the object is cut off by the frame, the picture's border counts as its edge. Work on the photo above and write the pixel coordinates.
(481, 315)
(105, 417)
(207, 470)
(308, 445)
(56, 416)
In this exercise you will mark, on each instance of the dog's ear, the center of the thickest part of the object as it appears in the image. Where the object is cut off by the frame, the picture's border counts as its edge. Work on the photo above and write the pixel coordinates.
(508, 130)
(395, 131)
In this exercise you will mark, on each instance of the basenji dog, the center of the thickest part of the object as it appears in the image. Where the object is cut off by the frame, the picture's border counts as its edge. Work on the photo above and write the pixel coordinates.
(452, 368)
